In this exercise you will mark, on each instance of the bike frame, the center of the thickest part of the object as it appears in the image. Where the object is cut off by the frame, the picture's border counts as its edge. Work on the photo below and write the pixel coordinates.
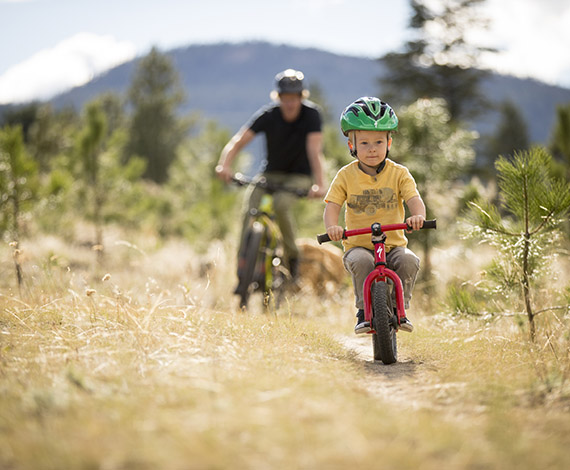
(264, 216)
(380, 272)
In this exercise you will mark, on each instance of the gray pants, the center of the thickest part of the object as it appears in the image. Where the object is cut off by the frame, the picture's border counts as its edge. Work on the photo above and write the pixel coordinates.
(359, 262)
(282, 205)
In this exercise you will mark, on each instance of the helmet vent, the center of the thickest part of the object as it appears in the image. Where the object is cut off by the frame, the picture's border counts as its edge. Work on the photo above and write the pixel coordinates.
(372, 110)
(368, 113)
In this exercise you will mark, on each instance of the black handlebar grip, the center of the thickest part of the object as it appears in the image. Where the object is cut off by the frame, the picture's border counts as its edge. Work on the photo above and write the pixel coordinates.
(323, 238)
(429, 223)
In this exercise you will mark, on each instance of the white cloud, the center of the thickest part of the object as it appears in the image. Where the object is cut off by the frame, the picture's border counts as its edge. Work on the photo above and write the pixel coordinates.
(72, 62)
(534, 37)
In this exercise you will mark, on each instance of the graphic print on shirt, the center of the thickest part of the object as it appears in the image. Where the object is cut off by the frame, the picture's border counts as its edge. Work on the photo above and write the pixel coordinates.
(370, 200)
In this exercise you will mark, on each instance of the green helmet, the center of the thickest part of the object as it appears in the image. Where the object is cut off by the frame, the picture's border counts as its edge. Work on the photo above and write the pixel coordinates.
(368, 114)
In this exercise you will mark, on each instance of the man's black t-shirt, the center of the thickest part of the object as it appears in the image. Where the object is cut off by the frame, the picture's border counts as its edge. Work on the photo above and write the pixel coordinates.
(286, 142)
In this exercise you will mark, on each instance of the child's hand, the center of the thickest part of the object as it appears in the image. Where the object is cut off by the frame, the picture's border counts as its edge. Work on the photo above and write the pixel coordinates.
(335, 232)
(415, 221)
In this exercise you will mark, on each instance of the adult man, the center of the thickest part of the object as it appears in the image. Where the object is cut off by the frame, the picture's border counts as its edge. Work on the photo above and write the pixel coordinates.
(294, 159)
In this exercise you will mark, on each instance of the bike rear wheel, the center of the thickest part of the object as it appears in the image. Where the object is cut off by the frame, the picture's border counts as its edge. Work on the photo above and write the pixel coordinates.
(251, 256)
(384, 342)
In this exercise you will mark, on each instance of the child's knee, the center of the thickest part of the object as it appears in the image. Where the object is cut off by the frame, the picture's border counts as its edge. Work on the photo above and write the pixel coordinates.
(411, 262)
(405, 263)
(358, 260)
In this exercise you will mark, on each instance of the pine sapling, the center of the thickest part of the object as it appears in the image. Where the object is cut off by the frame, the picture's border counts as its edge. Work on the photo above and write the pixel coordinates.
(526, 230)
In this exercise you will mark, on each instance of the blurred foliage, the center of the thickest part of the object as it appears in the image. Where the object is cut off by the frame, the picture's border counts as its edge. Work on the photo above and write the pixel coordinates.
(464, 299)
(437, 152)
(439, 61)
(560, 141)
(202, 207)
(18, 180)
(84, 170)
(46, 132)
(512, 133)
(155, 130)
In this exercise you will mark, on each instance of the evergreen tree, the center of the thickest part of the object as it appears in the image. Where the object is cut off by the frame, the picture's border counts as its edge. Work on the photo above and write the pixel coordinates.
(18, 185)
(155, 131)
(21, 115)
(560, 140)
(18, 179)
(439, 61)
(46, 132)
(536, 204)
(511, 136)
(90, 143)
(512, 133)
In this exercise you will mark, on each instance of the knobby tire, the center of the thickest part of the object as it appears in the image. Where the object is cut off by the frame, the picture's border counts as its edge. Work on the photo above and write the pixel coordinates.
(384, 339)
(252, 251)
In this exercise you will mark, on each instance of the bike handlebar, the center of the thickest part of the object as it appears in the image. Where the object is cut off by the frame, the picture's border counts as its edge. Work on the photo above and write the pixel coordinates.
(323, 238)
(241, 180)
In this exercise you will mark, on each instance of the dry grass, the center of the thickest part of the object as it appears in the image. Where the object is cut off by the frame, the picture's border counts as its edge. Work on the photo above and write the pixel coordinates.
(153, 367)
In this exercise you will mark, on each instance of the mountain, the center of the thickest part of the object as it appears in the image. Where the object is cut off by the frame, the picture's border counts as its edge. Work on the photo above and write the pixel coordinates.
(229, 82)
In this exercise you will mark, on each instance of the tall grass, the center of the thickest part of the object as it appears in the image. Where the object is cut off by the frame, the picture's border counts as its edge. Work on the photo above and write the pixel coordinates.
(151, 365)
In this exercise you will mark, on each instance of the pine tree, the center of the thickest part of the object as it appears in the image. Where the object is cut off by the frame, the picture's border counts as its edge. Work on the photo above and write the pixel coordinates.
(439, 62)
(155, 132)
(560, 141)
(91, 141)
(512, 132)
(18, 186)
(536, 203)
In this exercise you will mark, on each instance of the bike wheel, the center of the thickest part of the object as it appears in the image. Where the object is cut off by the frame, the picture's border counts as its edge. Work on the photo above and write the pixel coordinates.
(384, 341)
(251, 256)
(276, 275)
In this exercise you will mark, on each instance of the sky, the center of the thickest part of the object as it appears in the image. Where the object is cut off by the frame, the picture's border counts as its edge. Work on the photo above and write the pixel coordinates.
(48, 46)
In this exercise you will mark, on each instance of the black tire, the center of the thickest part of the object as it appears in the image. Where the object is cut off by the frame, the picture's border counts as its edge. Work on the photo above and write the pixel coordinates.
(251, 255)
(384, 342)
(279, 274)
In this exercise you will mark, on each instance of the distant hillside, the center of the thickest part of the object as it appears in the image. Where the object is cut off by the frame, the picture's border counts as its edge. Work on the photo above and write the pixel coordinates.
(228, 82)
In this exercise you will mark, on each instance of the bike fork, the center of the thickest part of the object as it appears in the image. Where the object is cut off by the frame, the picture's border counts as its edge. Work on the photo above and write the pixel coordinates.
(379, 274)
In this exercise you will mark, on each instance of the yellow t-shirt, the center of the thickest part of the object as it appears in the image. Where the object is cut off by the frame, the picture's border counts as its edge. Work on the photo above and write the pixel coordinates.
(370, 199)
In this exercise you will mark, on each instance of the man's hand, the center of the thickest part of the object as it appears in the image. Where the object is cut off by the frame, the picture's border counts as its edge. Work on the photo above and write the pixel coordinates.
(224, 173)
(316, 192)
(335, 232)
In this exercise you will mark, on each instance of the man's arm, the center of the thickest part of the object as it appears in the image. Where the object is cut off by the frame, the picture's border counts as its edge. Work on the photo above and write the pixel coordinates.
(418, 211)
(224, 168)
(316, 160)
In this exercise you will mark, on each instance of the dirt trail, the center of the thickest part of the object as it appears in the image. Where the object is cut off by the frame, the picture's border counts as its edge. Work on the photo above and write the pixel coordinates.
(409, 384)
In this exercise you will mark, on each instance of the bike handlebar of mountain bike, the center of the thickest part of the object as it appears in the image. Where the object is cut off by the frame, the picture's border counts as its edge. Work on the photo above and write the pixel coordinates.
(241, 180)
(385, 228)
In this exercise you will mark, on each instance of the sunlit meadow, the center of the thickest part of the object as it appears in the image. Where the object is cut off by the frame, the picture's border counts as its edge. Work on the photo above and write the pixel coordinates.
(145, 362)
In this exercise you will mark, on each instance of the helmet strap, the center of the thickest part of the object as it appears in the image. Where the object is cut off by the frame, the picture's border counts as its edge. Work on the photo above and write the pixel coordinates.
(378, 169)
(352, 148)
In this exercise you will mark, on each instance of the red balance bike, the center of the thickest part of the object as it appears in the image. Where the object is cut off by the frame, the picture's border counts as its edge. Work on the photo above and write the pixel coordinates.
(378, 309)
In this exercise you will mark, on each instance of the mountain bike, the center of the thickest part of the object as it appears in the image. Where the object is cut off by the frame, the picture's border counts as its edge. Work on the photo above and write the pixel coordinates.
(384, 319)
(261, 266)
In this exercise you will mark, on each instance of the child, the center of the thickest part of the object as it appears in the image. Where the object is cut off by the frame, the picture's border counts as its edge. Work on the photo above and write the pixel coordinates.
(374, 189)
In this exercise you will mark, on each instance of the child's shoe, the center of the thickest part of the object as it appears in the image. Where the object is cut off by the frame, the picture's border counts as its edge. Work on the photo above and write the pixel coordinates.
(406, 325)
(362, 326)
